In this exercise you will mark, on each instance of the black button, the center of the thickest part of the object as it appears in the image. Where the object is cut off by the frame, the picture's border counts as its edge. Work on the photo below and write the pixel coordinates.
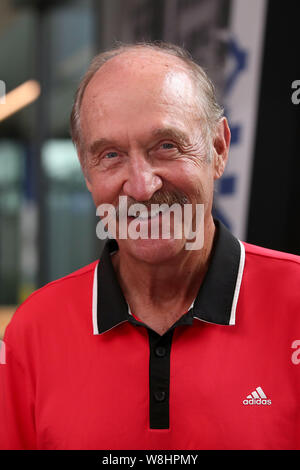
(160, 396)
(160, 351)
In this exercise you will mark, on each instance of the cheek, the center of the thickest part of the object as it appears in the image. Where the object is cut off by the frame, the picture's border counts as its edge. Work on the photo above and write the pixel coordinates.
(196, 180)
(96, 197)
(103, 190)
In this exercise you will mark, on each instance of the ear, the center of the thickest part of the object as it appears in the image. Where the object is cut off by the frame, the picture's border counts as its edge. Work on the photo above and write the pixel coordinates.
(221, 145)
(88, 183)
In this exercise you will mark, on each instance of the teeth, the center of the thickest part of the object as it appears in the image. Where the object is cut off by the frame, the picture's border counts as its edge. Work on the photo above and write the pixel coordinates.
(146, 215)
(149, 215)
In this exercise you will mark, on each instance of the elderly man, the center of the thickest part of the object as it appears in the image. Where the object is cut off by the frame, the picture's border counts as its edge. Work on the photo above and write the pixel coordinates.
(156, 346)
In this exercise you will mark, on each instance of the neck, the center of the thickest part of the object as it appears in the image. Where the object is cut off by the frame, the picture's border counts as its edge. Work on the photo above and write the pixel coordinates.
(155, 290)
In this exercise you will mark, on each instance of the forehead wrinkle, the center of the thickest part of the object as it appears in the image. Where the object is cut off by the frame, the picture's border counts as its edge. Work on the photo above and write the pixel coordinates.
(165, 132)
(171, 132)
(172, 82)
(97, 144)
(138, 64)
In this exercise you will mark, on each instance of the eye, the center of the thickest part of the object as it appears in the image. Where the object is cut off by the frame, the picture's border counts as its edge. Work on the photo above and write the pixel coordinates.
(111, 155)
(165, 149)
(167, 145)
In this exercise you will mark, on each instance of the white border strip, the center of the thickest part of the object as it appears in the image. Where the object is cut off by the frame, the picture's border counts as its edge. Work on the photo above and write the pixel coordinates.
(103, 332)
(238, 284)
(234, 303)
(95, 301)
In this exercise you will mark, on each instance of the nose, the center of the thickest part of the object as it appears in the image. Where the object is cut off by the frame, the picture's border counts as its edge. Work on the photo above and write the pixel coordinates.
(142, 181)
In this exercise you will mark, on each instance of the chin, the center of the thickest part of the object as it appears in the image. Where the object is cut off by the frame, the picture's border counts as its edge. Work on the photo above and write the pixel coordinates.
(153, 251)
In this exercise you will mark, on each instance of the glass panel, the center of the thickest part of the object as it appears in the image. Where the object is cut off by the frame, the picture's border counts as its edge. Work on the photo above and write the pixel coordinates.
(70, 50)
(11, 180)
(71, 219)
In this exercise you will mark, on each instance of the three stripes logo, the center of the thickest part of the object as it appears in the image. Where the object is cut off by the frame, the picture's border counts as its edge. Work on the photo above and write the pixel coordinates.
(257, 397)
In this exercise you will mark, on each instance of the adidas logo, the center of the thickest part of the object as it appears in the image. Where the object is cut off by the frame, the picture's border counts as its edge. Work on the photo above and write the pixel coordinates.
(257, 398)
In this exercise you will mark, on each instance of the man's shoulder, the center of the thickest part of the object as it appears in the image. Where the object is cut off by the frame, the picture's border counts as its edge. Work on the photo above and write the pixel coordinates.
(271, 282)
(267, 255)
(280, 269)
(65, 283)
(48, 301)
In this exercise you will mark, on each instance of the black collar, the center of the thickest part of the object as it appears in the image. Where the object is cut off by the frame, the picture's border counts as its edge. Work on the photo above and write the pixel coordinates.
(216, 299)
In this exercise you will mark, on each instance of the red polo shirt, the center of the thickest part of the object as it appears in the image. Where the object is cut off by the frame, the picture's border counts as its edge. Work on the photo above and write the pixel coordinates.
(82, 372)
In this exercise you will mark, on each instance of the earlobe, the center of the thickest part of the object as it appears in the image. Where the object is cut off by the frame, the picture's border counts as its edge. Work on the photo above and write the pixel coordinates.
(219, 166)
(88, 183)
(221, 147)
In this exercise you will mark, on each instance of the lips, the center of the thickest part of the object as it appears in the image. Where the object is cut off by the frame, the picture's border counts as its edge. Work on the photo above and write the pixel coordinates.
(148, 215)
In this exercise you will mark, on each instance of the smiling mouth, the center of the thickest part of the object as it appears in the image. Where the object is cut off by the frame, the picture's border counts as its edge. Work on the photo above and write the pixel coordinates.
(146, 215)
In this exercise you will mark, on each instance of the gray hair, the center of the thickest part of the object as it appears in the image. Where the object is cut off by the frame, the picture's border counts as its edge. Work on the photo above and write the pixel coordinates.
(211, 110)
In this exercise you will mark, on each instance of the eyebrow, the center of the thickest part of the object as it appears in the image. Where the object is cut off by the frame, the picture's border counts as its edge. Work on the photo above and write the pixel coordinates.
(170, 132)
(98, 144)
(173, 133)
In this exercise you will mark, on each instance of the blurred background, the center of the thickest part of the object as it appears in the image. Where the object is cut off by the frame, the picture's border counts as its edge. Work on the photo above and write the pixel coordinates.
(248, 47)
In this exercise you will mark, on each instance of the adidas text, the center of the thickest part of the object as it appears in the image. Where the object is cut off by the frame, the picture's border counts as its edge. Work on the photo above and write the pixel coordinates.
(259, 401)
(257, 397)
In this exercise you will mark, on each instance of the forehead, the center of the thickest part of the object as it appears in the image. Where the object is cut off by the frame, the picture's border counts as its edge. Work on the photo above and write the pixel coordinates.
(144, 71)
(140, 64)
(136, 83)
